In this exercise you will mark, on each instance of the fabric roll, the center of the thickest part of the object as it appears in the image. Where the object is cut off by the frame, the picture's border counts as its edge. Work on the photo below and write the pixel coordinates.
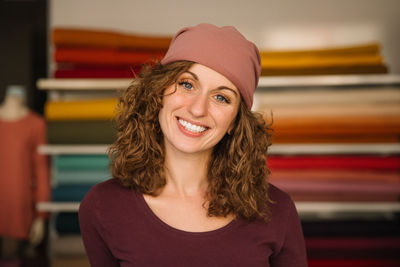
(336, 110)
(336, 175)
(81, 132)
(328, 96)
(355, 253)
(104, 56)
(336, 125)
(107, 39)
(324, 196)
(80, 177)
(334, 162)
(81, 162)
(80, 110)
(353, 228)
(354, 138)
(340, 60)
(67, 223)
(337, 186)
(354, 243)
(357, 69)
(362, 49)
(353, 262)
(97, 73)
(67, 193)
(321, 62)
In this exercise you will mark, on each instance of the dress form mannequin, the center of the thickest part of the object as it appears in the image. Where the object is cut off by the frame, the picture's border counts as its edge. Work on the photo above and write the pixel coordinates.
(14, 114)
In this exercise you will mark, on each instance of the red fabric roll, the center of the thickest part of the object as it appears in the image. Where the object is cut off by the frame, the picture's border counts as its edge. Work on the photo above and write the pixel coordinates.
(334, 162)
(104, 56)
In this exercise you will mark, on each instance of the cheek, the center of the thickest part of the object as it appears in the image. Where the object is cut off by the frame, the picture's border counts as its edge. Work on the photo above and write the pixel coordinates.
(226, 119)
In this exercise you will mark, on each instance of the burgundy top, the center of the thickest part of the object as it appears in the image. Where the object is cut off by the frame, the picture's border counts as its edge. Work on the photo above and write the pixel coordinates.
(119, 229)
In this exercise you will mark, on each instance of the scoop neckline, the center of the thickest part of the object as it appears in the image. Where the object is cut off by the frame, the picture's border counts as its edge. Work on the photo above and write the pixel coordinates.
(226, 228)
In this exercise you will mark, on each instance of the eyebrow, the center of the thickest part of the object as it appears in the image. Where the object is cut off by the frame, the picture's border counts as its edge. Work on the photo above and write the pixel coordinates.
(219, 87)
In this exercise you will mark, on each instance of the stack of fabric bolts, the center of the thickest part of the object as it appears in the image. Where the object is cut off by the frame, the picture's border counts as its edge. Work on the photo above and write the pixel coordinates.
(360, 59)
(86, 117)
(339, 116)
(83, 53)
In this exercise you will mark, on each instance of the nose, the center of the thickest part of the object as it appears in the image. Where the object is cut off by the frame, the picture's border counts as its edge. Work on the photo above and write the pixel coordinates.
(199, 105)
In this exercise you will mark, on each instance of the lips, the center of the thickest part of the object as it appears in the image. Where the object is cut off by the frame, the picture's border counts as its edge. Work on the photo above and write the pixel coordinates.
(191, 127)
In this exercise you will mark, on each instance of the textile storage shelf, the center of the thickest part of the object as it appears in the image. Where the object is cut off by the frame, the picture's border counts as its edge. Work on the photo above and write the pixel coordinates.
(335, 151)
(340, 136)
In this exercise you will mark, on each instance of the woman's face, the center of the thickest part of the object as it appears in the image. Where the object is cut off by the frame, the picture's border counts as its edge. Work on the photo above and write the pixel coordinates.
(198, 110)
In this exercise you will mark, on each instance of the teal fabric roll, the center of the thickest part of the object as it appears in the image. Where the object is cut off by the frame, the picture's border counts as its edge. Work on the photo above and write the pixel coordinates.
(81, 162)
(80, 177)
(67, 193)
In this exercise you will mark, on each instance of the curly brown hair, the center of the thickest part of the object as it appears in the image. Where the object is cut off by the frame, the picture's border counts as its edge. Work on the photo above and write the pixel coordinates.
(237, 173)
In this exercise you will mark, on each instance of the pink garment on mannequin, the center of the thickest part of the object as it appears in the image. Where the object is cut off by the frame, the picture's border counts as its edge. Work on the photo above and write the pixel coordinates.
(24, 174)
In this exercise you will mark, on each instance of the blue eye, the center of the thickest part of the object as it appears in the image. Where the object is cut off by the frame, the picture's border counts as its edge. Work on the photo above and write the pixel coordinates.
(186, 84)
(222, 99)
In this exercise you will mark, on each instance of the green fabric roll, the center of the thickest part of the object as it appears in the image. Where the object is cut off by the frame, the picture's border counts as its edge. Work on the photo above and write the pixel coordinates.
(81, 132)
(80, 177)
(81, 162)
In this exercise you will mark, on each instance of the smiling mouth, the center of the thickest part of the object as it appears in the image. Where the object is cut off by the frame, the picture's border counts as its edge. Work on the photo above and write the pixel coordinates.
(191, 127)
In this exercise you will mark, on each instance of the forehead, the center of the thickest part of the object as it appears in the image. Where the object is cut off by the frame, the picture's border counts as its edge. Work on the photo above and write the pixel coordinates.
(208, 76)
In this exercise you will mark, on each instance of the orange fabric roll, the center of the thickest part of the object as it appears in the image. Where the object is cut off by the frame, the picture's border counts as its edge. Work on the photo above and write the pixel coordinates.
(320, 62)
(364, 49)
(335, 139)
(69, 37)
(340, 125)
(337, 60)
(325, 70)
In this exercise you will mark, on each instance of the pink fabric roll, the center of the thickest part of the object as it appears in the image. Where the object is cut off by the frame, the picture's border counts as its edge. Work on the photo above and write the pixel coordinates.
(338, 175)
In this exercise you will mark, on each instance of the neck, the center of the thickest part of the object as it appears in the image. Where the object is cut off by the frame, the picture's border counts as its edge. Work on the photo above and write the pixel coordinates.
(186, 173)
(13, 108)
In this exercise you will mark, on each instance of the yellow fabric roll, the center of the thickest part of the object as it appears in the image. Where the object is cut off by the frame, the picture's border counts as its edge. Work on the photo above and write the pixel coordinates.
(312, 62)
(81, 110)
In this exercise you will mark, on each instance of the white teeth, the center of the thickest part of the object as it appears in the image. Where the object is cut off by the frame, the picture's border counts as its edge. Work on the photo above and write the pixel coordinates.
(191, 127)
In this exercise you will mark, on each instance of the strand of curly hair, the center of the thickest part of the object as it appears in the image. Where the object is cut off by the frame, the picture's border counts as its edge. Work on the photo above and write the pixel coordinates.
(237, 172)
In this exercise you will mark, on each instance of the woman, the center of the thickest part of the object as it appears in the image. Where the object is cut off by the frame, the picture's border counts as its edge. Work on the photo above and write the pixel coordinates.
(190, 183)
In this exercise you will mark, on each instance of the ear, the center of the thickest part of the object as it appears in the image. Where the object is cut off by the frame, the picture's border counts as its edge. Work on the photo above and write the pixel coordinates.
(231, 128)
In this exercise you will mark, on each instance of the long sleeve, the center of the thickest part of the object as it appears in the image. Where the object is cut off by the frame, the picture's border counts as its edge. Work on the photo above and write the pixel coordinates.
(92, 234)
(40, 165)
(293, 251)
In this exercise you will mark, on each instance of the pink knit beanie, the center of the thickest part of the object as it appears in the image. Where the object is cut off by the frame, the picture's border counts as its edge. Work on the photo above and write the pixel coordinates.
(223, 49)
